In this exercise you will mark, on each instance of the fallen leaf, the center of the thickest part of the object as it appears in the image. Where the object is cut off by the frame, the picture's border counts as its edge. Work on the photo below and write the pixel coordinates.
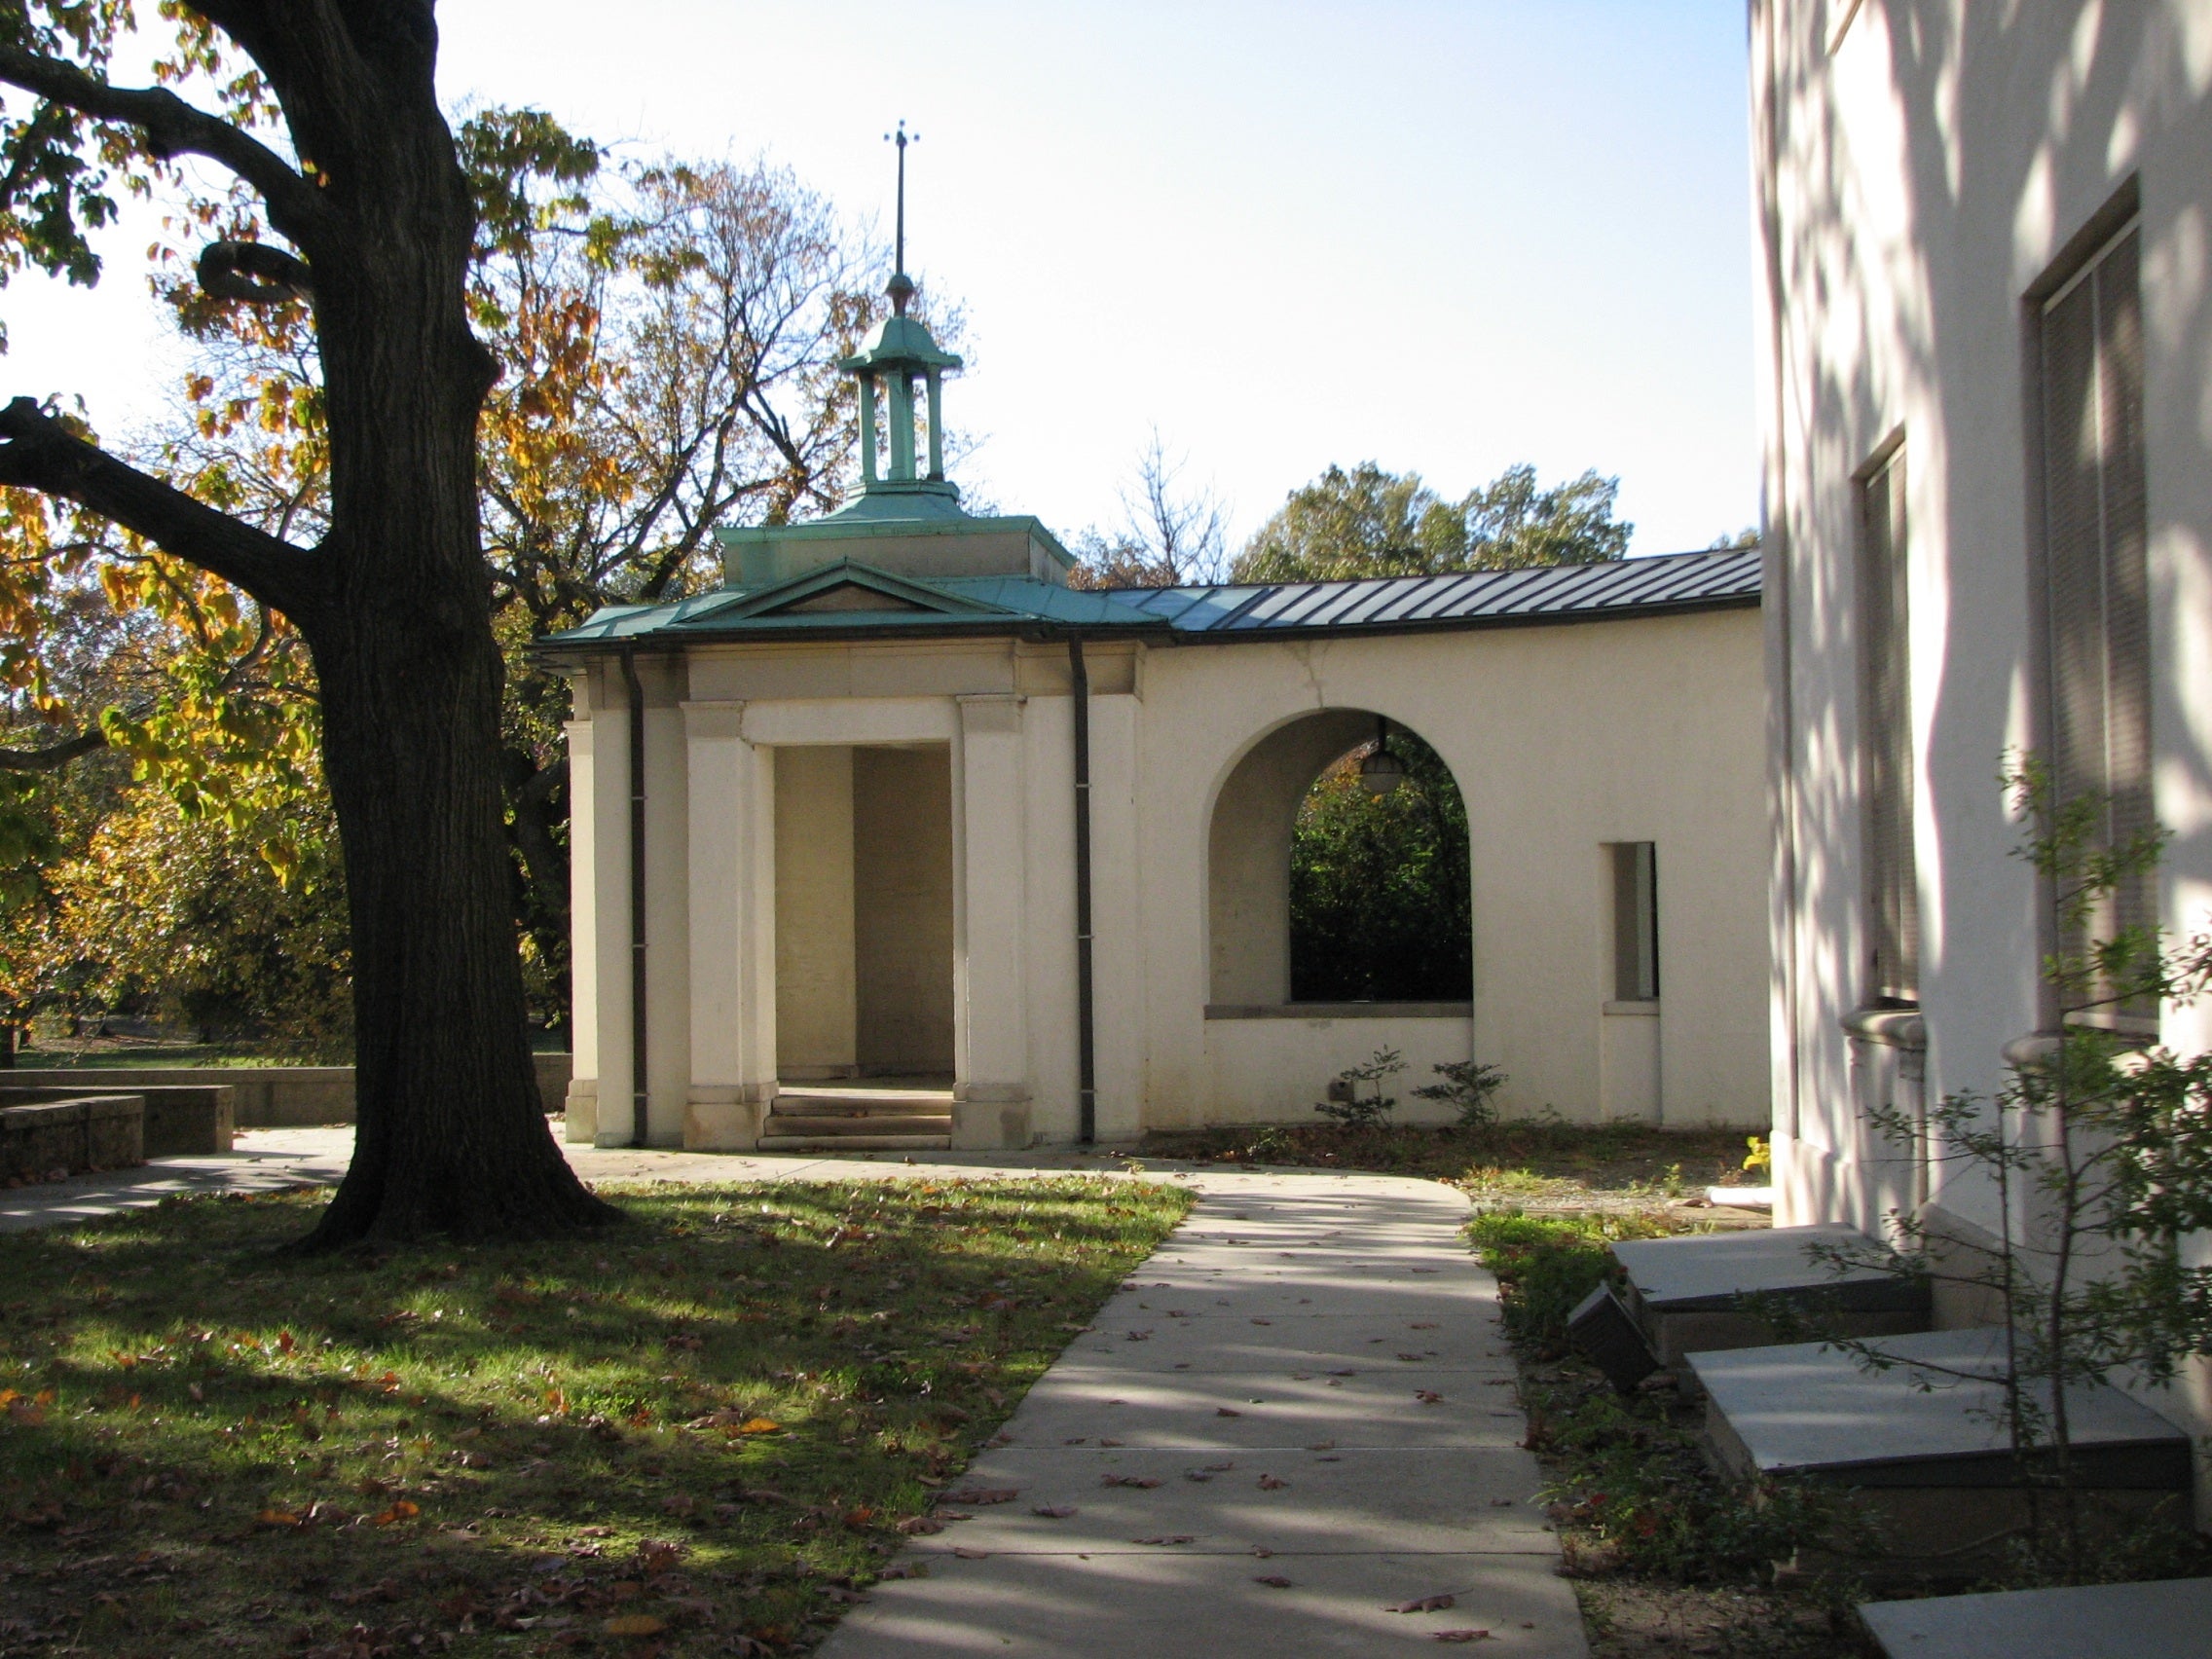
(634, 1624)
(1460, 1636)
(1267, 1483)
(1224, 1411)
(1272, 1581)
(1054, 1511)
(1428, 1397)
(1143, 1483)
(760, 1426)
(1166, 1538)
(919, 1524)
(966, 1554)
(1423, 1605)
(981, 1495)
(276, 1518)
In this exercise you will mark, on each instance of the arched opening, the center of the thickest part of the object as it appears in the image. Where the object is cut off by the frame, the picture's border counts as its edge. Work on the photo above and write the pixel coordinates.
(1325, 888)
(1379, 888)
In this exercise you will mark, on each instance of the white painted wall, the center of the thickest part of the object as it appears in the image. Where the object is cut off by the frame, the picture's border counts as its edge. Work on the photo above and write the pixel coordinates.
(1921, 170)
(1563, 738)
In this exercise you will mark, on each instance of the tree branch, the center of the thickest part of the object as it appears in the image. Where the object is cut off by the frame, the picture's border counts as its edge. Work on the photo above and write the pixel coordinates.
(53, 756)
(256, 273)
(40, 454)
(174, 128)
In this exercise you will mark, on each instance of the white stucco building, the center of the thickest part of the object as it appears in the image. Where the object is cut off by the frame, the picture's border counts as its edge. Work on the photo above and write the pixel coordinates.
(896, 804)
(1987, 243)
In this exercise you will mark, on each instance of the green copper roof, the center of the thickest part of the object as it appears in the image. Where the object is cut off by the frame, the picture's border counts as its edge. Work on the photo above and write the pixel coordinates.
(899, 342)
(849, 600)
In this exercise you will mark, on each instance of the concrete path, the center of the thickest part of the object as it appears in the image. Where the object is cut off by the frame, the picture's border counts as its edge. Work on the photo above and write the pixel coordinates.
(1294, 1418)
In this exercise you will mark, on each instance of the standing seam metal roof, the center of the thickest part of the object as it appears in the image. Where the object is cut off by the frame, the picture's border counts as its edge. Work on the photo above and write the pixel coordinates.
(1624, 587)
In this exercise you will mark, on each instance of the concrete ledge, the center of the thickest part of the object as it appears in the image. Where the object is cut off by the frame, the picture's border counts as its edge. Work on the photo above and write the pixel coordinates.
(192, 1121)
(262, 1097)
(96, 1132)
(1341, 1010)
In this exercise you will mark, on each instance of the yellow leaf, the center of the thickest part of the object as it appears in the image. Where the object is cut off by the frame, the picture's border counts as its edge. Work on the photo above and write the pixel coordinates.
(634, 1624)
(760, 1426)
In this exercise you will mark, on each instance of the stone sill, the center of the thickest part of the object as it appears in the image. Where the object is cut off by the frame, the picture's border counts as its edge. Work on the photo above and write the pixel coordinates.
(1341, 1010)
(1893, 1027)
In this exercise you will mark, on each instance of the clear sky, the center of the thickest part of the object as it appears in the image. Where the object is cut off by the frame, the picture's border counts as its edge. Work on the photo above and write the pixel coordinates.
(1446, 235)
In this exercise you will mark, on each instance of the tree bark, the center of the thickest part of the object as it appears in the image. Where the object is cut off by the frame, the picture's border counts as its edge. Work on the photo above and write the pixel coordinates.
(452, 1137)
(395, 604)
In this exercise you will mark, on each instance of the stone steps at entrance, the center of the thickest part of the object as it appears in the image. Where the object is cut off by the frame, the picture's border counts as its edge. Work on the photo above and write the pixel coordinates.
(856, 1118)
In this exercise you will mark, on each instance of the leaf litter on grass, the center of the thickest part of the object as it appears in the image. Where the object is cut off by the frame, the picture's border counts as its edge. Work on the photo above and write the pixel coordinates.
(722, 1417)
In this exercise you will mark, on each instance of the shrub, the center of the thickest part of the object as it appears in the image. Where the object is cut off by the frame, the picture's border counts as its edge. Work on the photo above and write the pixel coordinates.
(1346, 1107)
(1467, 1087)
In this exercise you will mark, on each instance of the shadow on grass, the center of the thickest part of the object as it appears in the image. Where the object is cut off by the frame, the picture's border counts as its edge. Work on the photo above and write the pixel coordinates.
(710, 1422)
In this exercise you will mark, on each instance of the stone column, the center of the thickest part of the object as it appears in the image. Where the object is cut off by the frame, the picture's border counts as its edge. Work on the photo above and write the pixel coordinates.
(991, 1089)
(582, 1119)
(731, 882)
(614, 1106)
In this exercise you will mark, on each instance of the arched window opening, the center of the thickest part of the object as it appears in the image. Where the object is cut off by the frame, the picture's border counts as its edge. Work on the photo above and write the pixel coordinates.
(1380, 900)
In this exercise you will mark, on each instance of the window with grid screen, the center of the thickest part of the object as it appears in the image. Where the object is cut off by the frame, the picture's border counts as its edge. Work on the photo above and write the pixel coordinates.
(2097, 568)
(1885, 736)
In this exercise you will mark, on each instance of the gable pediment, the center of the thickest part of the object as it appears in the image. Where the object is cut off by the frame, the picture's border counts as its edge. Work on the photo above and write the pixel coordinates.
(846, 588)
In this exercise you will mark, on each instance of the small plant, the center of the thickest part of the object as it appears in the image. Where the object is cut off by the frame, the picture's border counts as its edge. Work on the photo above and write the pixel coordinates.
(1466, 1088)
(1347, 1108)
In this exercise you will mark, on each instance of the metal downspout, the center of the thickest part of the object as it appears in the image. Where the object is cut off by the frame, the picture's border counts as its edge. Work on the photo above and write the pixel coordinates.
(638, 1044)
(1086, 1019)
(1774, 557)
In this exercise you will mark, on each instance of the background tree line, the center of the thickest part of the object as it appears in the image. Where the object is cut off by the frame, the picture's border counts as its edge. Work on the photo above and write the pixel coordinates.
(667, 335)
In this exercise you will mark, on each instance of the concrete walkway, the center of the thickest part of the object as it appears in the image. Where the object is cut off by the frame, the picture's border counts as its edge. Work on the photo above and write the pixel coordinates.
(1296, 1417)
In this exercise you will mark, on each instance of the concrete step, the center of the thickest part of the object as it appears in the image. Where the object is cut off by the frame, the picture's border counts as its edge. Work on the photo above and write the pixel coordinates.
(855, 1143)
(866, 1106)
(864, 1101)
(809, 1123)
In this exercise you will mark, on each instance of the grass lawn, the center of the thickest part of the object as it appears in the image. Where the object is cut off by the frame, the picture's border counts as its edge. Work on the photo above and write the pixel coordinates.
(1522, 1161)
(698, 1433)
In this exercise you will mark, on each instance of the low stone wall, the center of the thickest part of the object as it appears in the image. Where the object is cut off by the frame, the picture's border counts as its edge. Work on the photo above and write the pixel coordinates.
(98, 1131)
(194, 1121)
(262, 1097)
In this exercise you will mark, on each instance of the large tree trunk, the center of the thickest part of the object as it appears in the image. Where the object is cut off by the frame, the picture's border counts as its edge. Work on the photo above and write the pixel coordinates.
(452, 1137)
(394, 602)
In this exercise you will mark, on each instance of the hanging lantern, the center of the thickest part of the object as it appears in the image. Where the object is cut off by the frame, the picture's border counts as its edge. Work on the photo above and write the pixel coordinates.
(1381, 772)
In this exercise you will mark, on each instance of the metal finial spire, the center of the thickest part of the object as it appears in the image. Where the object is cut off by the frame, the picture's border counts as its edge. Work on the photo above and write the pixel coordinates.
(902, 287)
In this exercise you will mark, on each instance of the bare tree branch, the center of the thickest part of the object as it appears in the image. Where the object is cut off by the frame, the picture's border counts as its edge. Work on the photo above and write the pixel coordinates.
(174, 128)
(53, 756)
(40, 454)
